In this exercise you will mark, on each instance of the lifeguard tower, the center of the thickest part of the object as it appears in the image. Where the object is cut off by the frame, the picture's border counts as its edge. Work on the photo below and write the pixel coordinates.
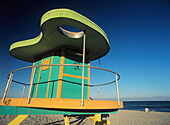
(60, 78)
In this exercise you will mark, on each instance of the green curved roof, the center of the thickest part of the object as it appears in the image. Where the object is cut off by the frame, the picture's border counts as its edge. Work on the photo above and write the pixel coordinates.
(51, 38)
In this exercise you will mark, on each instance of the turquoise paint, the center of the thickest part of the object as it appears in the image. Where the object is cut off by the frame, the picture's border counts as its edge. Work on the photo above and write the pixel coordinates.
(13, 110)
(74, 70)
(22, 110)
(7, 110)
(34, 86)
(44, 77)
(43, 83)
(52, 92)
(72, 88)
(37, 111)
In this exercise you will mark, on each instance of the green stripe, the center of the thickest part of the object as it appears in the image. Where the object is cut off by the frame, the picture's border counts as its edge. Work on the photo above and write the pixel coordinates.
(13, 110)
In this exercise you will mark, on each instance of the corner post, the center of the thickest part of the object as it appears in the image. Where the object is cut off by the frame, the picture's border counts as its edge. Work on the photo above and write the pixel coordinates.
(98, 92)
(117, 90)
(84, 46)
(23, 91)
(7, 86)
(29, 94)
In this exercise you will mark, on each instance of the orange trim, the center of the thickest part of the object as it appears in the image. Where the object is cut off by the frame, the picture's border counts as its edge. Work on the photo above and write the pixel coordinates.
(59, 88)
(38, 79)
(62, 103)
(88, 81)
(47, 61)
(49, 77)
(75, 76)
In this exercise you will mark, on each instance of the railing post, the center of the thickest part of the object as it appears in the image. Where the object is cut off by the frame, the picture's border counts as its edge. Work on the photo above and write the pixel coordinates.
(29, 94)
(117, 90)
(98, 93)
(23, 91)
(84, 44)
(7, 87)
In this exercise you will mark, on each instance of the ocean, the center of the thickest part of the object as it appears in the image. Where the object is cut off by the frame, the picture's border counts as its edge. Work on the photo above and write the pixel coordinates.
(160, 106)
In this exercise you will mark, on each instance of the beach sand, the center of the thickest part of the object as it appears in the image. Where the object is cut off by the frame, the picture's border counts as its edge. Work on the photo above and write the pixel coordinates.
(126, 117)
(123, 117)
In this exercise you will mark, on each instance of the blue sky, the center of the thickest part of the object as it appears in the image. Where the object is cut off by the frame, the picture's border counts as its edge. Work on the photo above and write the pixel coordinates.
(138, 31)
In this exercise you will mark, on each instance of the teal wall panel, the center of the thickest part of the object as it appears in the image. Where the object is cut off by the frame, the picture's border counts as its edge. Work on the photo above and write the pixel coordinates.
(54, 78)
(33, 91)
(68, 87)
(74, 70)
(44, 77)
(43, 83)
(72, 88)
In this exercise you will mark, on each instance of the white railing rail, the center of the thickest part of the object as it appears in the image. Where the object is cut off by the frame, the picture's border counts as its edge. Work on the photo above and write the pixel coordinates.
(10, 76)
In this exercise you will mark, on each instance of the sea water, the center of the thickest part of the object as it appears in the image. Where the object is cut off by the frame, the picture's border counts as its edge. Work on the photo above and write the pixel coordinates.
(160, 106)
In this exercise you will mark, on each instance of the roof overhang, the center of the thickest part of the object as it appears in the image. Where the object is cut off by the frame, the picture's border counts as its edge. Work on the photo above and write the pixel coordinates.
(51, 38)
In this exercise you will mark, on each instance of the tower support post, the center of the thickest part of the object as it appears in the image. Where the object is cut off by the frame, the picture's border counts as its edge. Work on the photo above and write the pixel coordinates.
(7, 86)
(23, 91)
(84, 47)
(32, 79)
(118, 99)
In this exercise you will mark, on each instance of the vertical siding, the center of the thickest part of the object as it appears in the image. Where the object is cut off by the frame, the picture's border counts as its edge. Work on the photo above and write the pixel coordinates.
(72, 87)
(34, 86)
(54, 78)
(42, 88)
(74, 70)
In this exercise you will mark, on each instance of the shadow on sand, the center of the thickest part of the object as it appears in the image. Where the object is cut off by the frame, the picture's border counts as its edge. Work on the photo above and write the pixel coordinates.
(78, 120)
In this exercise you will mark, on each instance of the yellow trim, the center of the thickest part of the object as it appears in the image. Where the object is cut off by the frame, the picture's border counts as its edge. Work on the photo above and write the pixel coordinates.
(88, 81)
(75, 76)
(59, 88)
(38, 79)
(18, 120)
(49, 77)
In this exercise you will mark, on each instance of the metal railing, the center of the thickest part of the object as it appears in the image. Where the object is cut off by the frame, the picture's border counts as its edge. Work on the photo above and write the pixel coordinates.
(10, 76)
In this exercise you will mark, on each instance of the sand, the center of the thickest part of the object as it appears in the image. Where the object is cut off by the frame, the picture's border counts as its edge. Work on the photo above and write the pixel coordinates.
(140, 118)
(121, 118)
